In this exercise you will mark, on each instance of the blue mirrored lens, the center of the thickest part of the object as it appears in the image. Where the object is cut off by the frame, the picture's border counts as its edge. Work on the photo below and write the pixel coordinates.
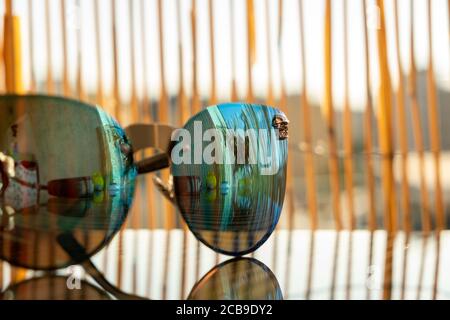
(229, 168)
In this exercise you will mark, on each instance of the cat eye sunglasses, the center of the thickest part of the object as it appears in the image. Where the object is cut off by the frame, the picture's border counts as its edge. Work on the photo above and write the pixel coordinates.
(68, 174)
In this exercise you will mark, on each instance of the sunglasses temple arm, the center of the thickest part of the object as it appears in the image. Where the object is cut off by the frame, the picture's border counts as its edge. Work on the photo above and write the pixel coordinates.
(74, 249)
(92, 270)
(154, 163)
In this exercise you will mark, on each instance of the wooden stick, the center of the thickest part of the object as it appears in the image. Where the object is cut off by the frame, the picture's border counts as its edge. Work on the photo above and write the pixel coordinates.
(12, 50)
(99, 95)
(65, 71)
(403, 131)
(182, 99)
(434, 127)
(283, 107)
(213, 94)
(80, 85)
(234, 95)
(48, 31)
(184, 116)
(251, 48)
(386, 149)
(348, 135)
(196, 103)
(270, 98)
(31, 46)
(163, 117)
(309, 156)
(417, 129)
(328, 111)
(116, 93)
(385, 125)
(368, 136)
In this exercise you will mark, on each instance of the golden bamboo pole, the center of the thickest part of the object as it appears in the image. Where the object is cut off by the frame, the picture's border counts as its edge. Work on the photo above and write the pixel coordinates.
(328, 111)
(12, 50)
(403, 132)
(368, 135)
(163, 110)
(251, 47)
(13, 79)
(48, 32)
(213, 94)
(234, 95)
(118, 114)
(80, 86)
(348, 135)
(309, 155)
(99, 95)
(437, 265)
(417, 129)
(163, 107)
(184, 116)
(283, 107)
(385, 125)
(182, 99)
(386, 149)
(31, 46)
(434, 127)
(310, 276)
(65, 71)
(196, 103)
(405, 266)
(116, 93)
(136, 212)
(270, 98)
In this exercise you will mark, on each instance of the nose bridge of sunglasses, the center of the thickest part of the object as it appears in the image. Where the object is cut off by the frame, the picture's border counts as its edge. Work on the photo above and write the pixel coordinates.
(155, 136)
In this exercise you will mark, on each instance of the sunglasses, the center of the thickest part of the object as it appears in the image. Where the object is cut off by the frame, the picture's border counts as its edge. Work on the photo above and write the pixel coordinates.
(69, 171)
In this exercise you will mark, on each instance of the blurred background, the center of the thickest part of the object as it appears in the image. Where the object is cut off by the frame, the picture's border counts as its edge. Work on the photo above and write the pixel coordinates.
(365, 84)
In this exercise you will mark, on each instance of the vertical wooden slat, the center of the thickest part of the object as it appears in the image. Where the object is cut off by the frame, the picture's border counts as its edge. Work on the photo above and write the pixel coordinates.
(347, 125)
(213, 94)
(116, 94)
(434, 128)
(98, 57)
(403, 131)
(386, 149)
(385, 124)
(12, 50)
(184, 116)
(80, 85)
(196, 103)
(65, 71)
(404, 150)
(368, 131)
(31, 46)
(270, 98)
(48, 33)
(182, 99)
(328, 111)
(309, 168)
(348, 154)
(251, 48)
(12, 56)
(234, 95)
(417, 129)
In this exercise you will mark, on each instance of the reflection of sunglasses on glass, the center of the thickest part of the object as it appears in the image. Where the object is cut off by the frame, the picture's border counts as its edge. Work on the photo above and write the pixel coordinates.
(231, 203)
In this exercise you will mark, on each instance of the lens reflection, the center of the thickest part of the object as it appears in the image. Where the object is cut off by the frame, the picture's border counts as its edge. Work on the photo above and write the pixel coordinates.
(67, 168)
(238, 279)
(233, 204)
